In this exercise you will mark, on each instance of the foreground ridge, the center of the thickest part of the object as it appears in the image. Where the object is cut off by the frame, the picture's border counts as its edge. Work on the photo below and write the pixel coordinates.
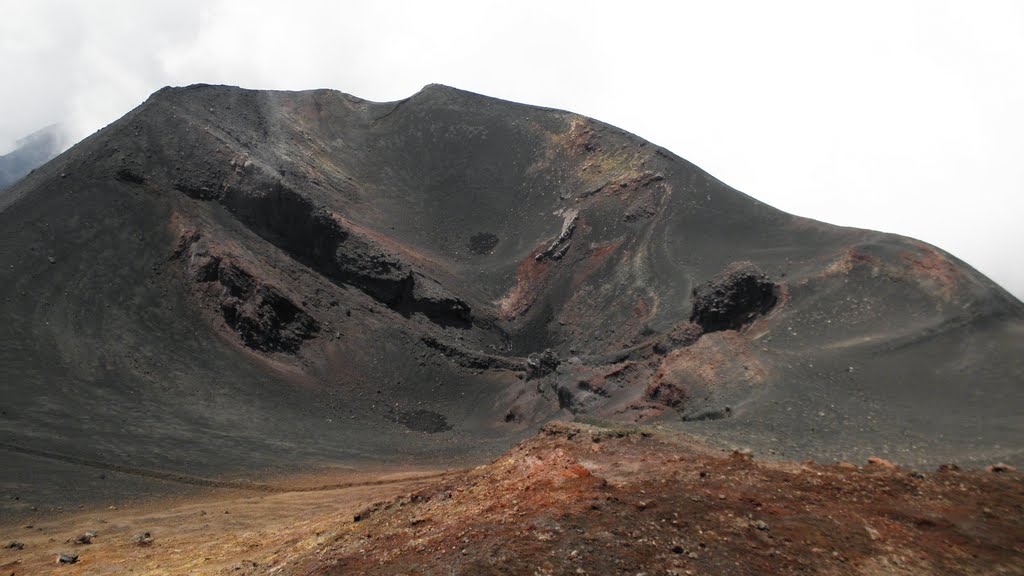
(576, 499)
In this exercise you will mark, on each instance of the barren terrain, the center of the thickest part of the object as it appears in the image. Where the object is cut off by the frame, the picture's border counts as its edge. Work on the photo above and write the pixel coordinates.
(227, 293)
(576, 499)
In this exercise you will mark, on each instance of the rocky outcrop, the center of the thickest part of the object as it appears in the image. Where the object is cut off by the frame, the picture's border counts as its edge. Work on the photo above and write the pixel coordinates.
(733, 299)
(541, 364)
(472, 359)
(262, 316)
(327, 243)
(666, 393)
(267, 321)
(560, 246)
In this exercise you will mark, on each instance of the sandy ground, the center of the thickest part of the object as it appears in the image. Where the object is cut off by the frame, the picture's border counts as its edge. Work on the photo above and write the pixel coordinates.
(575, 499)
(218, 532)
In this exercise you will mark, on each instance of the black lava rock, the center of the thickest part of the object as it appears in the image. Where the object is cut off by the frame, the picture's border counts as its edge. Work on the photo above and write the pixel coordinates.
(733, 299)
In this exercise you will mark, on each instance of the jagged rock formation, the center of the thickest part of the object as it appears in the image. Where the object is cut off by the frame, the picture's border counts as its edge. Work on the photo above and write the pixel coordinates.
(733, 299)
(282, 279)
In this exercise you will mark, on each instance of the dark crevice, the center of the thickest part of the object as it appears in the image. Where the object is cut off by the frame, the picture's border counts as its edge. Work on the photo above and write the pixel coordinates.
(472, 359)
(313, 236)
(263, 317)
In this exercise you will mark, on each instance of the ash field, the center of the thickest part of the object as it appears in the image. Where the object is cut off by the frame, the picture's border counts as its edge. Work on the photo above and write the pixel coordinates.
(228, 289)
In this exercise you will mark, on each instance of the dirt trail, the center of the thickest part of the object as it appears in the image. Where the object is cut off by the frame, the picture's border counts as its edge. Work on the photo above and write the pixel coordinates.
(291, 484)
(211, 534)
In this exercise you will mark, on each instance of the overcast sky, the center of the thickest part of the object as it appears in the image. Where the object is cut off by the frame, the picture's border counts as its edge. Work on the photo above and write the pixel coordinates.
(906, 117)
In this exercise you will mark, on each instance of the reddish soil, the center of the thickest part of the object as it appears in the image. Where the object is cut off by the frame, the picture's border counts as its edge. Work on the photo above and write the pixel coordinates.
(575, 499)
(584, 500)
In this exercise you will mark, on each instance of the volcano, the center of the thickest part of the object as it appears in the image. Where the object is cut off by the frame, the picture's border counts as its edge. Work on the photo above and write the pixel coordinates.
(226, 285)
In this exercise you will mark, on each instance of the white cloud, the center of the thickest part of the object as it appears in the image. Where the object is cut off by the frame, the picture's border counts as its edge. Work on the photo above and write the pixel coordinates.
(900, 116)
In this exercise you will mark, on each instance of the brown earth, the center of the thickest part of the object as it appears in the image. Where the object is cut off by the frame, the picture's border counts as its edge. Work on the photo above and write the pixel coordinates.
(586, 500)
(215, 532)
(576, 499)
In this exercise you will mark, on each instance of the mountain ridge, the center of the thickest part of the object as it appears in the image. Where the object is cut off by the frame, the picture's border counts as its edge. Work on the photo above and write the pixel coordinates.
(300, 279)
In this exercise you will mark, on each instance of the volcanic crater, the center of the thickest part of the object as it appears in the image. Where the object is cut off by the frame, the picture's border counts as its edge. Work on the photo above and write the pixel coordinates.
(234, 284)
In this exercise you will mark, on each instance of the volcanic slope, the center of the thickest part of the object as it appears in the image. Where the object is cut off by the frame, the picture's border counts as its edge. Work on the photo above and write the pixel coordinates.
(231, 284)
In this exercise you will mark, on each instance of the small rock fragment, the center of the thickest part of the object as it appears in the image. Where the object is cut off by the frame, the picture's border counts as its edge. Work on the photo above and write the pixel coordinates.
(1000, 467)
(67, 558)
(872, 533)
(143, 539)
(541, 364)
(761, 525)
(876, 461)
(15, 545)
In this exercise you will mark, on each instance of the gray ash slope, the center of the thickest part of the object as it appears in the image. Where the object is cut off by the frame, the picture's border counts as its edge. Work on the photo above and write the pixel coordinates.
(231, 283)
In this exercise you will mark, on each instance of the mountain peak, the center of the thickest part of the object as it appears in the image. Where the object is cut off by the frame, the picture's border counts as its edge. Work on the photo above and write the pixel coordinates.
(362, 282)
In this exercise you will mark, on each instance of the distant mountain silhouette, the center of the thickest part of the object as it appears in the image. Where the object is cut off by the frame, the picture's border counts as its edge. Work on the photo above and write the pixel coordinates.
(30, 153)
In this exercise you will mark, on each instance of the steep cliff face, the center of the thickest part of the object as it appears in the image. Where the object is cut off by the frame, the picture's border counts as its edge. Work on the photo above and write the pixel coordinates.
(293, 278)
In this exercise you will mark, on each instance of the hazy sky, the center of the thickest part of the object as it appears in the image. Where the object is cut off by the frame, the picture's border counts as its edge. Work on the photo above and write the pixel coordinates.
(906, 117)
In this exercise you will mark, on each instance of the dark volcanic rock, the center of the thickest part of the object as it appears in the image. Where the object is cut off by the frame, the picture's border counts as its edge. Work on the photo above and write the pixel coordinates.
(541, 364)
(263, 317)
(268, 321)
(472, 359)
(560, 246)
(733, 299)
(278, 278)
(666, 393)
